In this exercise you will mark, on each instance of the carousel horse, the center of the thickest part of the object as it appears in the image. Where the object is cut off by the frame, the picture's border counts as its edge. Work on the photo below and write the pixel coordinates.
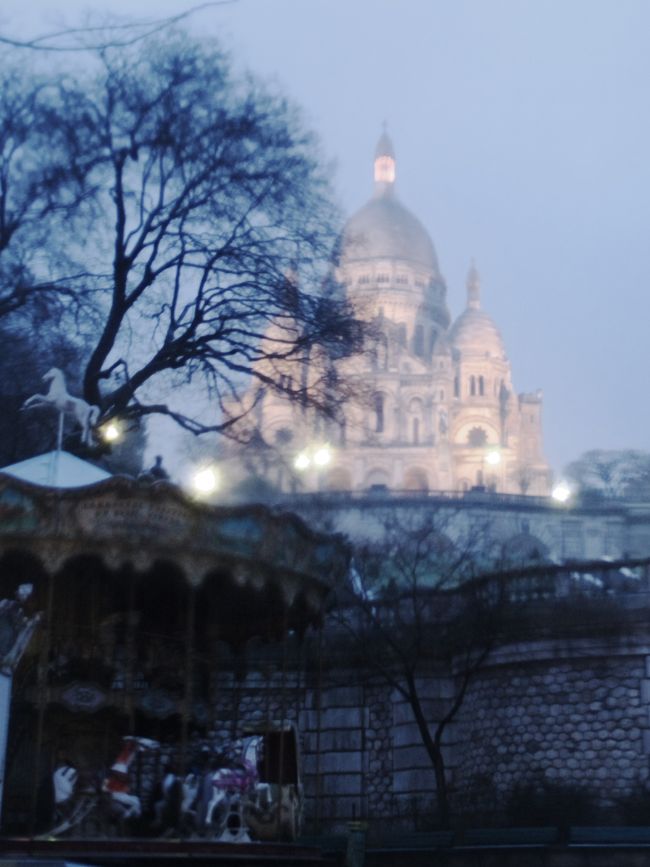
(232, 788)
(117, 785)
(213, 801)
(58, 397)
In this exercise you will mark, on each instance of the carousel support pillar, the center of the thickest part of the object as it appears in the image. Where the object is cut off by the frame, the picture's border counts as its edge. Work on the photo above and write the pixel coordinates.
(9, 664)
(5, 705)
(283, 715)
(41, 692)
(189, 677)
(319, 709)
(130, 649)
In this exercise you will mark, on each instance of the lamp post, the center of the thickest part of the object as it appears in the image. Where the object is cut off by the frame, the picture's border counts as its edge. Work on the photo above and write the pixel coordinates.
(561, 493)
(492, 458)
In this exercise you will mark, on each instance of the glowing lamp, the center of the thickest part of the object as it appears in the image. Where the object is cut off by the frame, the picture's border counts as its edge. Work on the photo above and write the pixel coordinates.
(111, 432)
(322, 456)
(302, 462)
(205, 481)
(561, 492)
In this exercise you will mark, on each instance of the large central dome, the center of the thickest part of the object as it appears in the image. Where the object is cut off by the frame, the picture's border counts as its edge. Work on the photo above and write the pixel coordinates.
(384, 228)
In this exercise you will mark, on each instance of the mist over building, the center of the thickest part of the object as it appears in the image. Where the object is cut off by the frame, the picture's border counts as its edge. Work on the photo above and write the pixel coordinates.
(435, 406)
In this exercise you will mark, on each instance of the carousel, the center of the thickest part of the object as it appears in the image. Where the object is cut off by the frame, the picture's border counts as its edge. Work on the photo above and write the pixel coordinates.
(139, 598)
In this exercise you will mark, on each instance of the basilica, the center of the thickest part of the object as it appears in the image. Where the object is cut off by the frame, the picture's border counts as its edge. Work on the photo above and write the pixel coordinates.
(436, 408)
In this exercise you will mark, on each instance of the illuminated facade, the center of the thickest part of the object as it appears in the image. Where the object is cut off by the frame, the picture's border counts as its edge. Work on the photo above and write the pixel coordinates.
(436, 406)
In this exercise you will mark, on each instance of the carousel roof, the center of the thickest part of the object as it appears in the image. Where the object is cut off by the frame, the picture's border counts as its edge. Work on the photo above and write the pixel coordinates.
(56, 469)
(244, 552)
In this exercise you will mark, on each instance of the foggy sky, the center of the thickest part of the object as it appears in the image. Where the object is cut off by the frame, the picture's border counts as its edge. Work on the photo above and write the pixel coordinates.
(521, 129)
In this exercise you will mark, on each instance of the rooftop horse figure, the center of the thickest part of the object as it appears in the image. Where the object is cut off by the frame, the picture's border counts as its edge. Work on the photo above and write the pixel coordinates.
(58, 397)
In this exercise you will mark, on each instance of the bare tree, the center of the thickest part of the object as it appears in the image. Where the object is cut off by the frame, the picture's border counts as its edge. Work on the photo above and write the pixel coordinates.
(203, 225)
(43, 169)
(413, 607)
(612, 473)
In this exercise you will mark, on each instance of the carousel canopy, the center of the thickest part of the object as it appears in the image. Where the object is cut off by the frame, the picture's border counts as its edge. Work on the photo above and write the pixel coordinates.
(242, 556)
(56, 469)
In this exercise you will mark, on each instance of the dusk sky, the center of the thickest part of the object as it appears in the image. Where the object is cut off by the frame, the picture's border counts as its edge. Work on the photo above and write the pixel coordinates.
(521, 129)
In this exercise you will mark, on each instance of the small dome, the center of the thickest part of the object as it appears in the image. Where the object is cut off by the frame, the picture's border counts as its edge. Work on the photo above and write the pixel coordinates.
(385, 229)
(474, 333)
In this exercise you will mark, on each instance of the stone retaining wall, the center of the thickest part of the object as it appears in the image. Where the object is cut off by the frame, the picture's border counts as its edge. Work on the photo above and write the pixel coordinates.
(573, 714)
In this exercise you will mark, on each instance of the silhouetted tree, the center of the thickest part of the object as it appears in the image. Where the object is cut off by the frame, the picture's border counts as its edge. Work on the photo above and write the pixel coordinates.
(413, 605)
(199, 220)
(612, 473)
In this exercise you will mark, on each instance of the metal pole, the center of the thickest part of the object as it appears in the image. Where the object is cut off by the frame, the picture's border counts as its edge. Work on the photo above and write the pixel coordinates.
(189, 678)
(41, 697)
(5, 705)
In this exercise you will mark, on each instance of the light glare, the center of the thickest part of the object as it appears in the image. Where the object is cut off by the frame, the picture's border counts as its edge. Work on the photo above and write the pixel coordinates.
(322, 457)
(561, 492)
(111, 432)
(302, 462)
(205, 481)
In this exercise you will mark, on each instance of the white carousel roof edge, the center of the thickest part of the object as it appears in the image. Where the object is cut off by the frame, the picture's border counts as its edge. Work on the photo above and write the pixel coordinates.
(57, 470)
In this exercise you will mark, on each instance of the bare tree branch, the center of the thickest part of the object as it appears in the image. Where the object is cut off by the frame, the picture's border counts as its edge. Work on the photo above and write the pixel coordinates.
(135, 32)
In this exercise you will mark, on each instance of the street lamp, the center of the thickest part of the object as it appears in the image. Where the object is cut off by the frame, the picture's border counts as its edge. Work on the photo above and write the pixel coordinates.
(205, 481)
(561, 492)
(493, 459)
(111, 432)
(302, 462)
(322, 456)
(317, 457)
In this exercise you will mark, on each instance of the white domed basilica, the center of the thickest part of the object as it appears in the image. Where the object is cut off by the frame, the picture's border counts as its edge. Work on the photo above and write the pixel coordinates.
(438, 411)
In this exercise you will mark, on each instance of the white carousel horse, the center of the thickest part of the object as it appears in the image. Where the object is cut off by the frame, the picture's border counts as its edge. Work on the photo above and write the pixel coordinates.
(58, 397)
(232, 788)
(216, 800)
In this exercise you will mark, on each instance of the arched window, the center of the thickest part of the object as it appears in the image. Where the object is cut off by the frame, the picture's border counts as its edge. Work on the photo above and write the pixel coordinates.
(416, 431)
(481, 386)
(379, 413)
(472, 385)
(456, 386)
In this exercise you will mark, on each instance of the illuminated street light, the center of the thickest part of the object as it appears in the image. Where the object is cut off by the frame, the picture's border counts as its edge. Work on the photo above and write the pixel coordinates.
(205, 481)
(322, 456)
(302, 462)
(561, 492)
(111, 432)
(493, 458)
(317, 456)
